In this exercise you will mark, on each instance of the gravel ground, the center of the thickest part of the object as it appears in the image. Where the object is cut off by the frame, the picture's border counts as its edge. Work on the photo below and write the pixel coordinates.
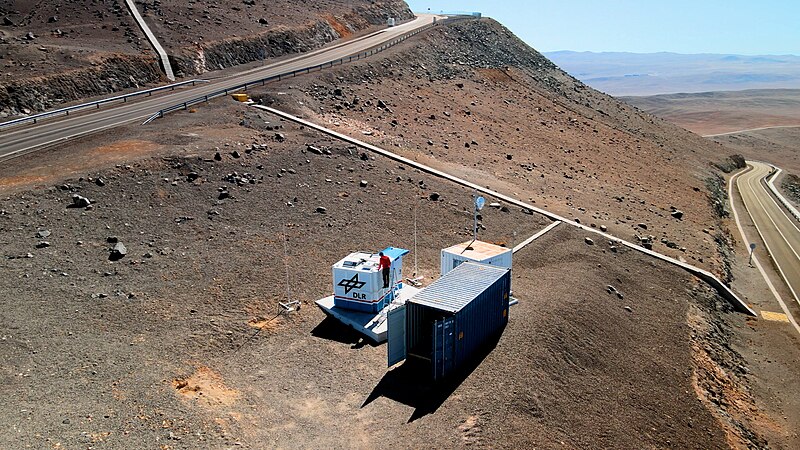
(162, 347)
(474, 101)
(176, 345)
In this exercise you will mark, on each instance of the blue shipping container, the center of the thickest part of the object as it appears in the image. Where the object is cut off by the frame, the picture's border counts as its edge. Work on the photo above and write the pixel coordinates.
(448, 321)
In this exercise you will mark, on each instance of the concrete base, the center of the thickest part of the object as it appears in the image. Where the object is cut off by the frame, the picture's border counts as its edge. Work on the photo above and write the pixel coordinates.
(370, 325)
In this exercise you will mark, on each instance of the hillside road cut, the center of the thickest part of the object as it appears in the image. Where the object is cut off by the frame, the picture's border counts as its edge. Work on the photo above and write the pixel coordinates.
(18, 141)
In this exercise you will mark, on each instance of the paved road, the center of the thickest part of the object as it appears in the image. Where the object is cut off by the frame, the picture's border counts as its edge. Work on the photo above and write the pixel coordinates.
(751, 129)
(778, 230)
(17, 141)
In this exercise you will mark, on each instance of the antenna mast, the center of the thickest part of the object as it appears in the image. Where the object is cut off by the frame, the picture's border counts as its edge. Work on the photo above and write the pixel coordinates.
(479, 202)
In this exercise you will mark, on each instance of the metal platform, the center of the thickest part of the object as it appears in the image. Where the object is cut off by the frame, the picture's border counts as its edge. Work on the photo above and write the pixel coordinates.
(370, 325)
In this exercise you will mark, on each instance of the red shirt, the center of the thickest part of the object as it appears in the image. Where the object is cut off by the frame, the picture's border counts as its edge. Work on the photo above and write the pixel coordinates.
(384, 262)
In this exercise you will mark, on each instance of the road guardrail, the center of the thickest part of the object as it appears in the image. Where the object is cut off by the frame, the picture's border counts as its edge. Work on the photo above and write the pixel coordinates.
(293, 73)
(771, 184)
(96, 103)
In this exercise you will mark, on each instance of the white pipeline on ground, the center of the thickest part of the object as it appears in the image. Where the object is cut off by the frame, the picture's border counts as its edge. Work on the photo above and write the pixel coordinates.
(704, 275)
(162, 55)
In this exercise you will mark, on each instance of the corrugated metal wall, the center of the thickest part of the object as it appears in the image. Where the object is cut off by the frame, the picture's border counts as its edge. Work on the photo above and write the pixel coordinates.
(482, 318)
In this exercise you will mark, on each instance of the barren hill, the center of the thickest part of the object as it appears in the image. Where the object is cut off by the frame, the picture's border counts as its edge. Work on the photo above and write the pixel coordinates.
(473, 99)
(724, 112)
(56, 52)
(177, 344)
(620, 73)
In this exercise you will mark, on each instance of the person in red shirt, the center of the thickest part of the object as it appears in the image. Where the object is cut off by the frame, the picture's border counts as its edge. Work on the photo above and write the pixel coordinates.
(384, 265)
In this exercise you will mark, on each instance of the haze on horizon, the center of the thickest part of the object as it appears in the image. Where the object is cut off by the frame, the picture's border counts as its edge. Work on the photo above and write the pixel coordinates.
(681, 26)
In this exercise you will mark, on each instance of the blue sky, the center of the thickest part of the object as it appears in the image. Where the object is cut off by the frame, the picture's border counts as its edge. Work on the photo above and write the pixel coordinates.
(683, 26)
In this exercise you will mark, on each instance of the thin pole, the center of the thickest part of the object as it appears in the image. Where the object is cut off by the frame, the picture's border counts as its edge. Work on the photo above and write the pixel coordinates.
(286, 263)
(475, 223)
(415, 237)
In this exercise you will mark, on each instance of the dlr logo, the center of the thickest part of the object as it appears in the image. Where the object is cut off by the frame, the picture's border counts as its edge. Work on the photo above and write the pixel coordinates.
(359, 296)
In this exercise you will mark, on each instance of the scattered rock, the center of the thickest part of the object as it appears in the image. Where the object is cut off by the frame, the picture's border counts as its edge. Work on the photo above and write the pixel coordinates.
(43, 244)
(118, 252)
(628, 308)
(217, 157)
(314, 150)
(363, 183)
(41, 234)
(495, 205)
(8, 22)
(434, 196)
(223, 194)
(112, 239)
(100, 182)
(603, 228)
(236, 154)
(678, 214)
(642, 226)
(263, 21)
(192, 176)
(527, 211)
(322, 210)
(79, 201)
(30, 36)
(588, 240)
(611, 289)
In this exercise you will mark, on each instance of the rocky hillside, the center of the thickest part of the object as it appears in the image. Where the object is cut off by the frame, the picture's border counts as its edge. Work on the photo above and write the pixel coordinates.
(60, 52)
(473, 99)
(210, 35)
(607, 348)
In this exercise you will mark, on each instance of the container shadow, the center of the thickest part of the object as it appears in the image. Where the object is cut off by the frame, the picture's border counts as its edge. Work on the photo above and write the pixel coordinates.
(333, 330)
(411, 383)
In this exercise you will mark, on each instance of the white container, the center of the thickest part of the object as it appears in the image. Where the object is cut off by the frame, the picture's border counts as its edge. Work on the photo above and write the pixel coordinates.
(358, 284)
(476, 251)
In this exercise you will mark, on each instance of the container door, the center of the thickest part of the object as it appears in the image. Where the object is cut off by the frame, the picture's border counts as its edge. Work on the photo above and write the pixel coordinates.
(444, 346)
(396, 335)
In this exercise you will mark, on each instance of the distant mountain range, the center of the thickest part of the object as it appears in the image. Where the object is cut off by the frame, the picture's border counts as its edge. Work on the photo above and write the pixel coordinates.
(619, 73)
